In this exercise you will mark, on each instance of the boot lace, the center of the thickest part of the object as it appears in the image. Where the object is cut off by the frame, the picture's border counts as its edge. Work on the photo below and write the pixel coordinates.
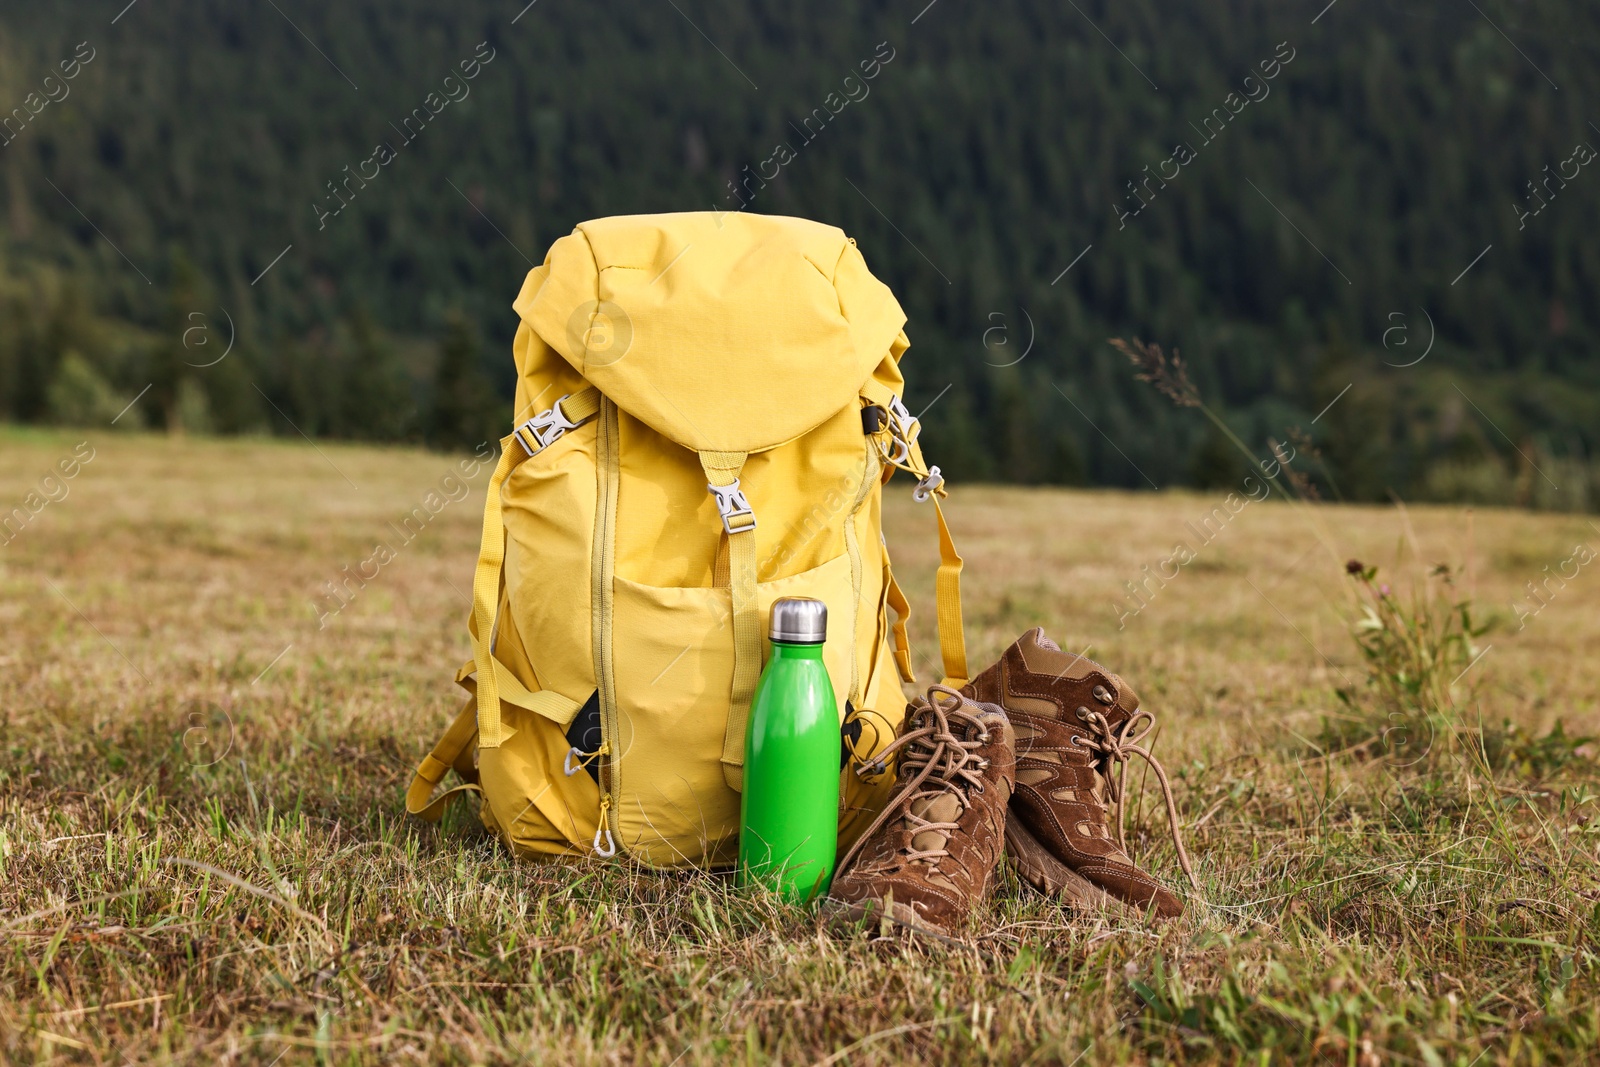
(938, 755)
(1118, 744)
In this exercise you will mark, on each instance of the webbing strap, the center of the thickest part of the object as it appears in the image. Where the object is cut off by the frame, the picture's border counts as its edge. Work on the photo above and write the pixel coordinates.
(947, 597)
(515, 447)
(568, 413)
(486, 596)
(722, 470)
(902, 614)
(453, 750)
(581, 406)
(559, 709)
(901, 450)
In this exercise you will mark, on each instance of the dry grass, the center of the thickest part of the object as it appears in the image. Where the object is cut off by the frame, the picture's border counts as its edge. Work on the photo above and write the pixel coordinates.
(205, 859)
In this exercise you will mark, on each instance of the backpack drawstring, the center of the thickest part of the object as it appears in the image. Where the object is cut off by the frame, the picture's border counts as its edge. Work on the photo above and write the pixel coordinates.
(603, 829)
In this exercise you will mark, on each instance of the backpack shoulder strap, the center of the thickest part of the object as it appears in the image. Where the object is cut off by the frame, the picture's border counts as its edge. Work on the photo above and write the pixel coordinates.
(902, 614)
(897, 432)
(453, 750)
(947, 602)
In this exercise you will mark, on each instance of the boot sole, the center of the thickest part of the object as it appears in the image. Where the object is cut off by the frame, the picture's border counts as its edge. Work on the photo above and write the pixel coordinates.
(852, 918)
(1039, 868)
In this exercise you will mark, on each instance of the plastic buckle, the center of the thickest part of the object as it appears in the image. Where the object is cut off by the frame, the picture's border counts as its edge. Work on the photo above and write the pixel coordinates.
(545, 427)
(902, 431)
(926, 486)
(900, 418)
(731, 504)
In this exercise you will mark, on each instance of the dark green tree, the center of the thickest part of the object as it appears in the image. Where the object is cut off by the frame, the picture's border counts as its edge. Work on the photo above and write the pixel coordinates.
(466, 412)
(375, 396)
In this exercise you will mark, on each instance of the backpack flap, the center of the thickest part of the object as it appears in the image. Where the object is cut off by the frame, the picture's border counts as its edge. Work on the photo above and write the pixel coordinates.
(723, 332)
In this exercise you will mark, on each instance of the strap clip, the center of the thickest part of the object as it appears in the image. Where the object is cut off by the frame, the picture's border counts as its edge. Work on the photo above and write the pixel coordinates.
(731, 506)
(544, 428)
(902, 431)
(927, 486)
(901, 422)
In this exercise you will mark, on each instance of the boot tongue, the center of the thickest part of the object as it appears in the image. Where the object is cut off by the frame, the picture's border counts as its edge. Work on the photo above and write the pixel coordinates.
(945, 807)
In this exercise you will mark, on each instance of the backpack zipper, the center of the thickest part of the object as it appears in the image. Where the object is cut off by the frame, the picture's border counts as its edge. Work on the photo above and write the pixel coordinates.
(852, 544)
(602, 567)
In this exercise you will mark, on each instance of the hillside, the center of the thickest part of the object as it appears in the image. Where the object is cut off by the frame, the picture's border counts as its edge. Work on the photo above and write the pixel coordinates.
(1299, 197)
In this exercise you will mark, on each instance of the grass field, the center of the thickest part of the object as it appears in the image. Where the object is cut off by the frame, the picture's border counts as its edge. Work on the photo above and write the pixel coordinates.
(205, 857)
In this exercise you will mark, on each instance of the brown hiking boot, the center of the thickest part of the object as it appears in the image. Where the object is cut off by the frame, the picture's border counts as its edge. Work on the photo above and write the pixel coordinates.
(926, 860)
(1073, 719)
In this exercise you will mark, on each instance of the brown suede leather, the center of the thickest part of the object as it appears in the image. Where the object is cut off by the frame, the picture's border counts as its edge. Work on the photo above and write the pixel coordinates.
(927, 859)
(1061, 808)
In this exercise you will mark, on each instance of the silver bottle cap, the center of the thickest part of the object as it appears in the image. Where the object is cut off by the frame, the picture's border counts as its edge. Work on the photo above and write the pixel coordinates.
(798, 619)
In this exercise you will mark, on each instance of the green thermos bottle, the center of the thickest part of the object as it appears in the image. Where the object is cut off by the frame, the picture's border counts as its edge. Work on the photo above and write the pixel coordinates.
(789, 810)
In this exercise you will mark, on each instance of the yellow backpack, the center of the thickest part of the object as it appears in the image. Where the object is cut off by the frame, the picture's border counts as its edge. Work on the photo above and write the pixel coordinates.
(709, 405)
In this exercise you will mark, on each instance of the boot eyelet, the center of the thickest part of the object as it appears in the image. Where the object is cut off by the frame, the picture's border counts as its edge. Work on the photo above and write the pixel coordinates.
(1083, 714)
(1104, 695)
